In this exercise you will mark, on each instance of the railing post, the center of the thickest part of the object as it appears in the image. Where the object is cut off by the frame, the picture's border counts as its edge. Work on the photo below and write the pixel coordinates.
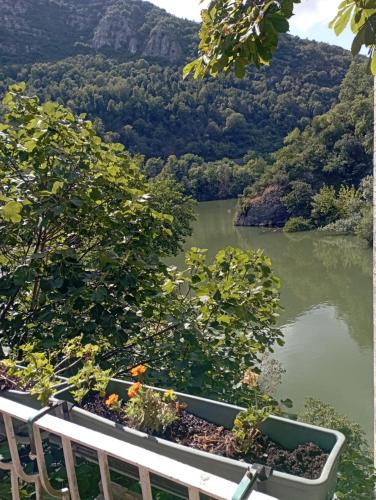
(70, 467)
(105, 475)
(63, 494)
(145, 483)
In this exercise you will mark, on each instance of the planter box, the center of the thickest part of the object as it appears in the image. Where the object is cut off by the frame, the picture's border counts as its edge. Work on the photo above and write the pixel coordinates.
(286, 432)
(24, 398)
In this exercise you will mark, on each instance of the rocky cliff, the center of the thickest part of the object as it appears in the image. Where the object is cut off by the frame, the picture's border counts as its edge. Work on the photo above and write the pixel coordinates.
(45, 30)
(265, 209)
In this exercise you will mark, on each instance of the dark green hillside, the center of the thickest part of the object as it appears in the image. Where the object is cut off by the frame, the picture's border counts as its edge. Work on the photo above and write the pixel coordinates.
(151, 110)
(320, 174)
(120, 62)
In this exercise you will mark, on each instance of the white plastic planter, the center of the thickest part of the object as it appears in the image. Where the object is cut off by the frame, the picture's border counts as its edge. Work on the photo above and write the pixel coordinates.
(286, 432)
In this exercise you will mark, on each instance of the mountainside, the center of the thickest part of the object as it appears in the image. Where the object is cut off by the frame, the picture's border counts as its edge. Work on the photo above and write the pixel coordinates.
(43, 30)
(322, 175)
(120, 62)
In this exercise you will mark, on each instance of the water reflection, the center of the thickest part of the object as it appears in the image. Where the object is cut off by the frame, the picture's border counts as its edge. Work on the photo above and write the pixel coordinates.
(327, 298)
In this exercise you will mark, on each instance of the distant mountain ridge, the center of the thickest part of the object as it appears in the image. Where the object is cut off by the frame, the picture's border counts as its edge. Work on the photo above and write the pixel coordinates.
(120, 61)
(44, 30)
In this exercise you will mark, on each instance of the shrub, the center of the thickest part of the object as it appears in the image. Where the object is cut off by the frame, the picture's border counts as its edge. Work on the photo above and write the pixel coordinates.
(356, 474)
(324, 206)
(296, 224)
(348, 201)
(298, 200)
(364, 229)
(82, 253)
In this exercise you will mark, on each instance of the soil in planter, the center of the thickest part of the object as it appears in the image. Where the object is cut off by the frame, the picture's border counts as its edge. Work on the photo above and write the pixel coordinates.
(306, 460)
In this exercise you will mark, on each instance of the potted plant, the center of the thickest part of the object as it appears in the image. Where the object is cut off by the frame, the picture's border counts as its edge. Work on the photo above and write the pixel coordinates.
(33, 382)
(216, 437)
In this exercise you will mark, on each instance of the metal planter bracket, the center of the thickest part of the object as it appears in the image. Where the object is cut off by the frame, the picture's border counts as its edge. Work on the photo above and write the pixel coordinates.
(36, 417)
(251, 477)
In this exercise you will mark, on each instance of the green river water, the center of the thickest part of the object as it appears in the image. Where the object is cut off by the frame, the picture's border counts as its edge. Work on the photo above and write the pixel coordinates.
(326, 293)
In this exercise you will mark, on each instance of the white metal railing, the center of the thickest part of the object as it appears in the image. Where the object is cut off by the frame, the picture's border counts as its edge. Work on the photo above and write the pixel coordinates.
(196, 481)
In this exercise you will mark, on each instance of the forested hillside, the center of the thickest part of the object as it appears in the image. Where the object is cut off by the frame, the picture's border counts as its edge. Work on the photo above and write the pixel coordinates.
(320, 178)
(125, 73)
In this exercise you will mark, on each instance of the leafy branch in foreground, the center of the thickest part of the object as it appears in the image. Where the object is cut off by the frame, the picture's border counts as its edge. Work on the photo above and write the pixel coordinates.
(81, 234)
(236, 33)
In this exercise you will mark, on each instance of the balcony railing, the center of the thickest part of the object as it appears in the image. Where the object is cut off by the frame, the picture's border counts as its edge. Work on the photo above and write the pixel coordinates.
(196, 482)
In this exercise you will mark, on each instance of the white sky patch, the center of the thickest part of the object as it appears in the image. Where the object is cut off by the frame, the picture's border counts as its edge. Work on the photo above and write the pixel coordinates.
(311, 18)
(313, 13)
(189, 9)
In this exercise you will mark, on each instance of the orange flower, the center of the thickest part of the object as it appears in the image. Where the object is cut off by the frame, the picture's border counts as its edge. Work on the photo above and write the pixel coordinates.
(111, 400)
(133, 390)
(138, 370)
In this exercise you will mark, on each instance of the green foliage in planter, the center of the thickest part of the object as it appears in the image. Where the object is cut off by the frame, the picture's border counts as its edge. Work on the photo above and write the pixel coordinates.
(89, 378)
(38, 377)
(261, 387)
(150, 411)
(296, 224)
(247, 426)
(356, 474)
(41, 370)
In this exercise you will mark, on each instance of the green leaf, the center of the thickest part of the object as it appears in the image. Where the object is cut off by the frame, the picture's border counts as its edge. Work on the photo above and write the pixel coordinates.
(358, 42)
(373, 65)
(168, 286)
(30, 145)
(224, 319)
(188, 68)
(11, 211)
(240, 68)
(342, 20)
(57, 185)
(18, 87)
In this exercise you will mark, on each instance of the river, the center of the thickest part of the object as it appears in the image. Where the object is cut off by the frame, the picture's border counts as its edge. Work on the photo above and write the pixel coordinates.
(326, 294)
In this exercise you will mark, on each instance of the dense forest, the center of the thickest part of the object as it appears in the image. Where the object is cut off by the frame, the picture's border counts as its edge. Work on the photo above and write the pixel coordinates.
(120, 62)
(148, 107)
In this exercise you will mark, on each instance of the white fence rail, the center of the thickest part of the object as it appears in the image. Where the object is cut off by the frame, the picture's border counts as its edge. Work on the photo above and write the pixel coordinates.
(196, 481)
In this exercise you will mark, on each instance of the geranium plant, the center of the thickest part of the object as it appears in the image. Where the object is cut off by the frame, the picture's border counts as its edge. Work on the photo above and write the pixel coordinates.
(147, 410)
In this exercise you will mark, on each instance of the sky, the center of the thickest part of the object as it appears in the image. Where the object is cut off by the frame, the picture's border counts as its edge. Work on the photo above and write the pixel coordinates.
(310, 21)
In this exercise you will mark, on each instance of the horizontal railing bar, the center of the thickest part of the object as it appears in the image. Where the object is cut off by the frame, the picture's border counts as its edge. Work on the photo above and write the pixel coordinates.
(157, 464)
(16, 410)
(194, 479)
